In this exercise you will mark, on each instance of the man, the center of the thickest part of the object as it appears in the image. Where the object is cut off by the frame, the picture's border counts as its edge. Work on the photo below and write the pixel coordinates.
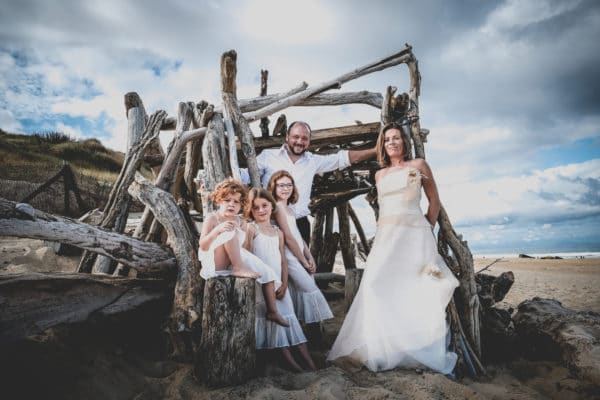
(293, 157)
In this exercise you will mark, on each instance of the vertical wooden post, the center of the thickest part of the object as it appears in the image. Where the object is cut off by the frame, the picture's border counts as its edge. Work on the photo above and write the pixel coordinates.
(330, 240)
(227, 353)
(214, 157)
(264, 122)
(231, 108)
(351, 285)
(345, 240)
(316, 237)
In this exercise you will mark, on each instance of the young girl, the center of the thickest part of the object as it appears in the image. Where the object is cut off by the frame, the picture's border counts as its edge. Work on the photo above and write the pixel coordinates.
(266, 241)
(220, 251)
(309, 302)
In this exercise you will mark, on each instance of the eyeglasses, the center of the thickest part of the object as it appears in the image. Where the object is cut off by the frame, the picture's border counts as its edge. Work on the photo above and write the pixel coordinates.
(285, 185)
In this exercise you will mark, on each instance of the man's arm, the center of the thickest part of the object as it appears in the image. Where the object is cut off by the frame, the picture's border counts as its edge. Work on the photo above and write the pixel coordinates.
(357, 156)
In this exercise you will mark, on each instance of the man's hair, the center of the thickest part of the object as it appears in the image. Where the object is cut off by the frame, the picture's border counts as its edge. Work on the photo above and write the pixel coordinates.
(305, 124)
(272, 186)
(228, 187)
(258, 193)
(382, 157)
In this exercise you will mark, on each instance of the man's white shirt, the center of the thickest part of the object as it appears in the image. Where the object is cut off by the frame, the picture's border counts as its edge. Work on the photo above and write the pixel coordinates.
(303, 170)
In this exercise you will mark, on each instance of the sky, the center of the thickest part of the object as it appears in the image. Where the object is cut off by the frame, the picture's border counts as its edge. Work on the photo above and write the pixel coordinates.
(510, 89)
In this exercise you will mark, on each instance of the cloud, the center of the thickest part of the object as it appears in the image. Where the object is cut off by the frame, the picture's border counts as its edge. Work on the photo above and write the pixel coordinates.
(506, 85)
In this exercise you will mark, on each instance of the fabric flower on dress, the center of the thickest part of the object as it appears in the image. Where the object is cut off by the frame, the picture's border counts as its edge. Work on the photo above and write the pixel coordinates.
(414, 175)
(433, 270)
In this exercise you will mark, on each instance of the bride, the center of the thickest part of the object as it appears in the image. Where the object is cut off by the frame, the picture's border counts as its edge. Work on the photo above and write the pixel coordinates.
(398, 316)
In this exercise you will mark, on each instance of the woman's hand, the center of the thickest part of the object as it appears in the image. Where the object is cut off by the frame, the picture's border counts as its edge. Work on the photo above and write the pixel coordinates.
(312, 266)
(279, 293)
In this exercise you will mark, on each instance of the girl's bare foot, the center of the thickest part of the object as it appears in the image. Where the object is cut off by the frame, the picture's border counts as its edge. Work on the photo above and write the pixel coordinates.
(243, 272)
(277, 318)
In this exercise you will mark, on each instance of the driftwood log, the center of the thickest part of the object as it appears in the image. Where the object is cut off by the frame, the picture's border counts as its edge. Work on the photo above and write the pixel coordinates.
(33, 302)
(547, 330)
(148, 257)
(227, 353)
(187, 300)
(115, 211)
(240, 125)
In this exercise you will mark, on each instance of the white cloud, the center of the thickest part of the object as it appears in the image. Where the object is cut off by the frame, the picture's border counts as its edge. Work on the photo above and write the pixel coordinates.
(286, 22)
(8, 122)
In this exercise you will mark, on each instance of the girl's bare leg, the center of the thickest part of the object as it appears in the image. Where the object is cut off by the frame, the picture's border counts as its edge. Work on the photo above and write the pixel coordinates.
(287, 356)
(303, 349)
(238, 268)
(272, 311)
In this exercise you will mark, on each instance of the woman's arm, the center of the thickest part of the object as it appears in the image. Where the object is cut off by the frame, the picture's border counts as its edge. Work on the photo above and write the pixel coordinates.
(290, 241)
(430, 188)
(279, 293)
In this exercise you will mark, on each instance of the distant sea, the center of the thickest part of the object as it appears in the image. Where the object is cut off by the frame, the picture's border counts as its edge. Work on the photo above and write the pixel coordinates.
(590, 254)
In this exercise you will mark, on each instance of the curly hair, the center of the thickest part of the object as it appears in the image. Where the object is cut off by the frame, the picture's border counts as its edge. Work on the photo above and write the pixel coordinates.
(382, 157)
(272, 186)
(258, 193)
(228, 187)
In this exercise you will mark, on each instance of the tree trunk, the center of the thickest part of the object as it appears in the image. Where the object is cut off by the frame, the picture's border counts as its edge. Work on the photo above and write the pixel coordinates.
(227, 353)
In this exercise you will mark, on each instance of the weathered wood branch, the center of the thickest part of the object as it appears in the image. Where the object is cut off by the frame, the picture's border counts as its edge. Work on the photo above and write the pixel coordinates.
(326, 200)
(33, 302)
(143, 256)
(115, 211)
(329, 136)
(231, 108)
(345, 240)
(264, 122)
(187, 302)
(323, 99)
(359, 229)
(167, 173)
(193, 153)
(215, 161)
(403, 56)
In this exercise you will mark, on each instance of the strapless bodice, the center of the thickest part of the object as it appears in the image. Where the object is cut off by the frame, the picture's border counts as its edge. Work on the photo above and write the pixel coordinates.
(399, 192)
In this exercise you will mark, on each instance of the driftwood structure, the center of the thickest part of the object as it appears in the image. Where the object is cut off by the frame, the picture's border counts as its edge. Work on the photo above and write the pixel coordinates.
(210, 143)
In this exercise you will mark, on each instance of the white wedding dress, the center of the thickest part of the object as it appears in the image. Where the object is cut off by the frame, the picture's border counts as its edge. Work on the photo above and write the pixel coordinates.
(398, 316)
(270, 335)
(309, 303)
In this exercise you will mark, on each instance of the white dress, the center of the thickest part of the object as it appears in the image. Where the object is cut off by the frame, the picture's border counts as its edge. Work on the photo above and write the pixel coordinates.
(207, 258)
(270, 335)
(309, 303)
(398, 316)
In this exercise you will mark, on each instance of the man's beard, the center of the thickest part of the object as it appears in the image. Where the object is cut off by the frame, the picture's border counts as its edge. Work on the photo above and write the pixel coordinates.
(291, 149)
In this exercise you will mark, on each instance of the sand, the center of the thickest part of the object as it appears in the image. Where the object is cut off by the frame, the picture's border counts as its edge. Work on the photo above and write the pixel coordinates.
(573, 282)
(65, 363)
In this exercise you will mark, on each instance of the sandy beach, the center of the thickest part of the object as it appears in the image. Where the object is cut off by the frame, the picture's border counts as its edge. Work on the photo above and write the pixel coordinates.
(573, 282)
(101, 368)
